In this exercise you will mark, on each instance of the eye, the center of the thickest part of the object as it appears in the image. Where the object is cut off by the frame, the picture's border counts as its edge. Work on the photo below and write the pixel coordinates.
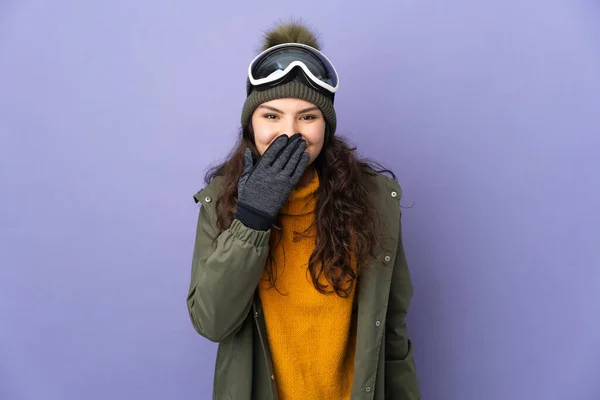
(270, 116)
(309, 117)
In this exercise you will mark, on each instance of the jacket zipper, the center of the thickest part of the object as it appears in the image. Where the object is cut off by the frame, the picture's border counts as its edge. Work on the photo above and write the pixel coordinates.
(262, 345)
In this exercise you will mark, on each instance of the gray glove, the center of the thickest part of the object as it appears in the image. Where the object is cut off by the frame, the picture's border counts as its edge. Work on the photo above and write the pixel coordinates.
(265, 186)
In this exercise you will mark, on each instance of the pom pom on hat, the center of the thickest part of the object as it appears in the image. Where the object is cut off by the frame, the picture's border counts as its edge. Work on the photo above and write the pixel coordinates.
(292, 32)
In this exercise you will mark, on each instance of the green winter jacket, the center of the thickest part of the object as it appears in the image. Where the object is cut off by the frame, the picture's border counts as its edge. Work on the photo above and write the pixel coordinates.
(224, 306)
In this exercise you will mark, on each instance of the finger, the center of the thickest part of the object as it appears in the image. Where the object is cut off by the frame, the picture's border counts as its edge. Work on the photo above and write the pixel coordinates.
(300, 168)
(295, 136)
(274, 149)
(294, 159)
(248, 161)
(287, 153)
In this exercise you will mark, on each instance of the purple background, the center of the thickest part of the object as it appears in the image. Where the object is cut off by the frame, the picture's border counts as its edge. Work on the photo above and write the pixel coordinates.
(111, 111)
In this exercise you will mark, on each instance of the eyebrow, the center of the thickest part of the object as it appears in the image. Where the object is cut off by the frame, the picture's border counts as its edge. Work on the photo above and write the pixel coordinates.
(312, 108)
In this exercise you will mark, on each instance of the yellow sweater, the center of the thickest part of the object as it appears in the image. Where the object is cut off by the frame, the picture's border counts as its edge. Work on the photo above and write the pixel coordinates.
(311, 335)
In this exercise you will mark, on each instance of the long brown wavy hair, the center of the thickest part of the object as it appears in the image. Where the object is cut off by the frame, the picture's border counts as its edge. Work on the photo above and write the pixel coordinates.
(346, 221)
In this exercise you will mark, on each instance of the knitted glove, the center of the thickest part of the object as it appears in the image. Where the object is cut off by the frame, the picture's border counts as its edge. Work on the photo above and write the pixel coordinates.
(265, 186)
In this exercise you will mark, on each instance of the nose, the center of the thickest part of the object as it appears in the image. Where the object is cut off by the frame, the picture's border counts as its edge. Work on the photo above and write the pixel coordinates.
(290, 127)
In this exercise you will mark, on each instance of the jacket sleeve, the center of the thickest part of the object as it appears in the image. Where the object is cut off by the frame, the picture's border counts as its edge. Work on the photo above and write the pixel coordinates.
(226, 269)
(401, 381)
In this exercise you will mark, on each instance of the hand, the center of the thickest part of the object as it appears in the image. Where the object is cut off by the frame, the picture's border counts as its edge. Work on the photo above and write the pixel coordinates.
(265, 186)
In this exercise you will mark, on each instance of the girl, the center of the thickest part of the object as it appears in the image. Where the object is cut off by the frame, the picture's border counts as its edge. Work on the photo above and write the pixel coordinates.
(298, 269)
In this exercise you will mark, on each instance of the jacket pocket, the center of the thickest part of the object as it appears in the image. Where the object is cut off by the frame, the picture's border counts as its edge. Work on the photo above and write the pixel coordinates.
(401, 381)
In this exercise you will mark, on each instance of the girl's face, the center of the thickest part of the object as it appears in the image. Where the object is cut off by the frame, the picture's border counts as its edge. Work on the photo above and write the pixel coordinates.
(287, 117)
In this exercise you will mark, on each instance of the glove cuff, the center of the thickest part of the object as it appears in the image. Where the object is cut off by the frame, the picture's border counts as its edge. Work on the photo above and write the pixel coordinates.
(253, 218)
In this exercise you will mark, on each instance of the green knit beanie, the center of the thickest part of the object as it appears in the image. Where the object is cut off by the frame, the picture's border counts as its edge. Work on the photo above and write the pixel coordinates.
(290, 33)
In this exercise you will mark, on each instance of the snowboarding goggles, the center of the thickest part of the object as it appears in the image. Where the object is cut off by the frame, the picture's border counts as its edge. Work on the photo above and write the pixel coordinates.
(273, 67)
